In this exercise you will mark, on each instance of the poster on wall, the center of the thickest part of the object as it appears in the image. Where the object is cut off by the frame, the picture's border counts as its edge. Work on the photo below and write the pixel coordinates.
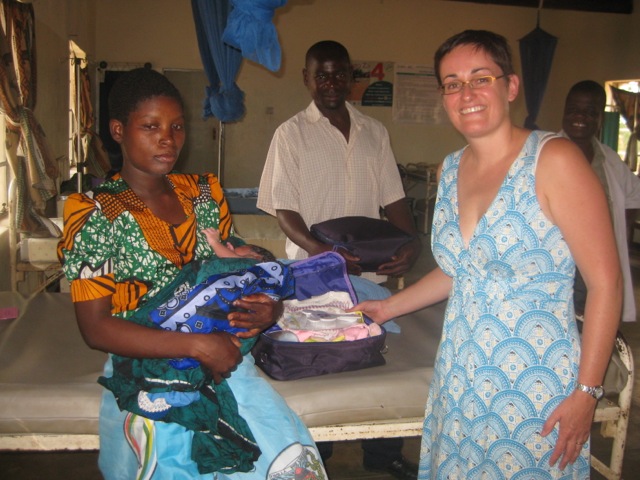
(373, 84)
(416, 99)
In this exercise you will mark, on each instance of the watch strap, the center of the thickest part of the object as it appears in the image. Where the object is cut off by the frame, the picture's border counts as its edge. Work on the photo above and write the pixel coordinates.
(596, 392)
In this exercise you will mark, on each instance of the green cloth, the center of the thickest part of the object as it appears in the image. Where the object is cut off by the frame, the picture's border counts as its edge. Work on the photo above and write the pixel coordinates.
(222, 440)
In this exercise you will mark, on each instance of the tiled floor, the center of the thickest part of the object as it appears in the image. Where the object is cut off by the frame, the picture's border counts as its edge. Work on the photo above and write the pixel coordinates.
(346, 462)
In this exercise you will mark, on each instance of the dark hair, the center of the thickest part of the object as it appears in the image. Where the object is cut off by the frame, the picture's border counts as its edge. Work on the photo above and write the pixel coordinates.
(495, 45)
(591, 88)
(136, 86)
(327, 48)
(266, 255)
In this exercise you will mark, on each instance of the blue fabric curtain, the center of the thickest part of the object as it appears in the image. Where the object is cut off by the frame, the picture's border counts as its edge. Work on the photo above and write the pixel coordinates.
(227, 30)
(536, 52)
(224, 99)
(250, 29)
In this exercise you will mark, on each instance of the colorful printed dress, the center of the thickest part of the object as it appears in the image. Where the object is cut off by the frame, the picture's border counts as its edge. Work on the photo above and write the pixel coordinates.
(113, 245)
(510, 348)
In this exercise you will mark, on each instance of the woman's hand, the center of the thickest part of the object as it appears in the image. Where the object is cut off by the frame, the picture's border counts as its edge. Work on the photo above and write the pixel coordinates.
(218, 353)
(374, 309)
(261, 312)
(574, 416)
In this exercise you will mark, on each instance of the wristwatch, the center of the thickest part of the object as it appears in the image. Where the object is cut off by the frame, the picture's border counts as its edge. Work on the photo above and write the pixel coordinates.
(596, 392)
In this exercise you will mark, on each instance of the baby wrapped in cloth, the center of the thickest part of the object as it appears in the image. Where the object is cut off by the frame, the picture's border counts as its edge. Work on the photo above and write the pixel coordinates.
(179, 390)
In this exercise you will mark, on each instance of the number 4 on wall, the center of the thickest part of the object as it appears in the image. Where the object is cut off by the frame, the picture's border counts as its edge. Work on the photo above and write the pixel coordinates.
(378, 72)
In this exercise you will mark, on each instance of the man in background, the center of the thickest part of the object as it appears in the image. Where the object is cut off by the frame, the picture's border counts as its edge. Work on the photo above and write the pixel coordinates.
(581, 122)
(331, 161)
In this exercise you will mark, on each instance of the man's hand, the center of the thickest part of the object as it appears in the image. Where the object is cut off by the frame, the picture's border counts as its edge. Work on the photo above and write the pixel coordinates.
(352, 262)
(403, 260)
(260, 313)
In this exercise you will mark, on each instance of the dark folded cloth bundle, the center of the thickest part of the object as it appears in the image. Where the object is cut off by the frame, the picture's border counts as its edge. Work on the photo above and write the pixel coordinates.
(373, 240)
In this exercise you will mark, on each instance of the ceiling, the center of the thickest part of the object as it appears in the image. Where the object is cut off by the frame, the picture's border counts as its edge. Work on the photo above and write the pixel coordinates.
(612, 6)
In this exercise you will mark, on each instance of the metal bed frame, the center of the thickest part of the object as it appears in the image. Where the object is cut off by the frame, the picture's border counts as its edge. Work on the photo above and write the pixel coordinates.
(47, 273)
(613, 416)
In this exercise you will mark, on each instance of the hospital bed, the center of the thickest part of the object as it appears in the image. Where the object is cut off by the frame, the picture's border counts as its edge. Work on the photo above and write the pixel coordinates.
(33, 262)
(49, 398)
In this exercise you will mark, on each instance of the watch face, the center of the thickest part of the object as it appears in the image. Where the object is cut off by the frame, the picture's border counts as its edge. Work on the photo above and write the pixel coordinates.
(595, 392)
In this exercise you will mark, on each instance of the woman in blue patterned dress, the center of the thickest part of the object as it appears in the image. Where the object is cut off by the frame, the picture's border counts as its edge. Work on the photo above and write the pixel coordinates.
(514, 388)
(124, 244)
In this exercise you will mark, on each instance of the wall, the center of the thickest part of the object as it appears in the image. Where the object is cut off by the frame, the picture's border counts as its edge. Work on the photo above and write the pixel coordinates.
(591, 45)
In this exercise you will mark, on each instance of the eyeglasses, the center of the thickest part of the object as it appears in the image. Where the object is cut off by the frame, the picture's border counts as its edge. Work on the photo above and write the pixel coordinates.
(456, 86)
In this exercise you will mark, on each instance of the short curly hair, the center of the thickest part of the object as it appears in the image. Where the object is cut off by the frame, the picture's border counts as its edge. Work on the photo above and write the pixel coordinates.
(136, 86)
(327, 49)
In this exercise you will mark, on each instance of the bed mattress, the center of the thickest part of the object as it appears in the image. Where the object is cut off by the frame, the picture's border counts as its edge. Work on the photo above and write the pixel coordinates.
(48, 375)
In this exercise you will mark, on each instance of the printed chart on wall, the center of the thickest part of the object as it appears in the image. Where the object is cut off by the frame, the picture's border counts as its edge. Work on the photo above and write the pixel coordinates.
(416, 98)
(372, 86)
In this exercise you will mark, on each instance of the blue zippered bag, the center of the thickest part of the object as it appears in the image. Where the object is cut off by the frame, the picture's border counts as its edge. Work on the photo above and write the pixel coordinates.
(285, 360)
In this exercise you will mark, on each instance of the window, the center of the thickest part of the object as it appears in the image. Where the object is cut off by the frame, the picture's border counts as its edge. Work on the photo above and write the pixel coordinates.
(624, 133)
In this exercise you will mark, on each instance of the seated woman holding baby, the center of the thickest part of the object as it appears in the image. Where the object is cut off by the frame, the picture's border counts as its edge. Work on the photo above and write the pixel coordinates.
(131, 242)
